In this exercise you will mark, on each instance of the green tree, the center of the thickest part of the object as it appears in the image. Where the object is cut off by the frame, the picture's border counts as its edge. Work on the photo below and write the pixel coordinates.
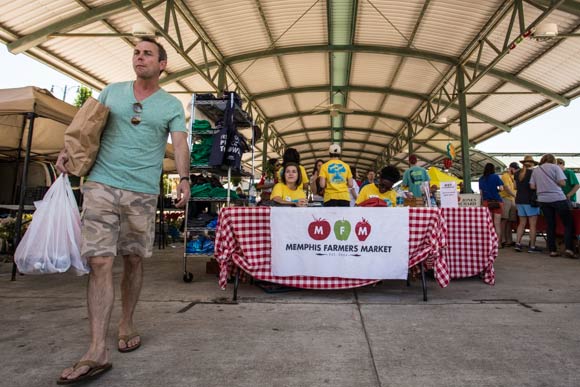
(82, 95)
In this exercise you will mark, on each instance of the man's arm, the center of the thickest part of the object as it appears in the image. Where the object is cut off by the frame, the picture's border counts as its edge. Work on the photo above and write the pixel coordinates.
(179, 140)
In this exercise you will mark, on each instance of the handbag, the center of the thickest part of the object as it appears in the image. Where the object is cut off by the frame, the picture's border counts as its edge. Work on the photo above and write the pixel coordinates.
(82, 138)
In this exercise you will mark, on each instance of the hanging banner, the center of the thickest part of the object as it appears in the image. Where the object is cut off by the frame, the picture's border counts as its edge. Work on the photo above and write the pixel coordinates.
(365, 243)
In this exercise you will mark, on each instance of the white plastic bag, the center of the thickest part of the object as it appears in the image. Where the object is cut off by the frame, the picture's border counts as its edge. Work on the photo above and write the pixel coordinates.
(52, 242)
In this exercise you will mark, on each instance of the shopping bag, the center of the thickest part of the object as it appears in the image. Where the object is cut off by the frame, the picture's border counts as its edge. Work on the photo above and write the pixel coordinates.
(52, 242)
(82, 138)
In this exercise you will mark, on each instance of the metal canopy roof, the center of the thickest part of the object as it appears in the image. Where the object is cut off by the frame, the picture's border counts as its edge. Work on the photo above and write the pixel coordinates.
(410, 76)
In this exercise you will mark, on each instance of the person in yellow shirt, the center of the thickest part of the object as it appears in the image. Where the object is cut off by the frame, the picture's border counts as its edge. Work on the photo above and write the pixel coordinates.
(336, 179)
(289, 191)
(291, 155)
(383, 189)
(509, 211)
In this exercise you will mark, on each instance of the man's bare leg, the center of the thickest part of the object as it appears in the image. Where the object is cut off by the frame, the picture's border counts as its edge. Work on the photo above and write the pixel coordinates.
(100, 299)
(130, 291)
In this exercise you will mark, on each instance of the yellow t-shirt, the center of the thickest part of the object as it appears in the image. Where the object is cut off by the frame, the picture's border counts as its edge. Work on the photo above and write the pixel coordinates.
(336, 174)
(290, 195)
(370, 191)
(508, 181)
(305, 180)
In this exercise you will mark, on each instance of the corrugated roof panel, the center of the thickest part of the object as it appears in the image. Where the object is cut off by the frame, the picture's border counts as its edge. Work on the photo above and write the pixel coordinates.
(352, 121)
(309, 101)
(400, 106)
(317, 121)
(324, 137)
(387, 125)
(553, 71)
(309, 30)
(363, 101)
(276, 106)
(372, 28)
(25, 17)
(419, 76)
(287, 124)
(372, 69)
(359, 136)
(484, 85)
(107, 59)
(505, 107)
(261, 75)
(528, 49)
(371, 148)
(234, 26)
(306, 69)
(449, 25)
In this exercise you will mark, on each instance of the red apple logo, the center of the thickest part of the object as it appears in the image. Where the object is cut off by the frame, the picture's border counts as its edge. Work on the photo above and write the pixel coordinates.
(319, 229)
(362, 230)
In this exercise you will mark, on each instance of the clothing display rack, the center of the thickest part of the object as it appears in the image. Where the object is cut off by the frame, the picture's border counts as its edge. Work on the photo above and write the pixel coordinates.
(213, 110)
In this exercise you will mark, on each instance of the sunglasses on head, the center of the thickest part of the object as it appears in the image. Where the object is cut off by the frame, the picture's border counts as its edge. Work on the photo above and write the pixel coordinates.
(137, 109)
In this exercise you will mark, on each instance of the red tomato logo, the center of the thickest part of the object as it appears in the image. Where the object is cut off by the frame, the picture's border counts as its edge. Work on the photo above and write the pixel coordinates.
(319, 229)
(362, 230)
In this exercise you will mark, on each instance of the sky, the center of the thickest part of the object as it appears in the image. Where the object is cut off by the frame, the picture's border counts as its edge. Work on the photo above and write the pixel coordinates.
(556, 131)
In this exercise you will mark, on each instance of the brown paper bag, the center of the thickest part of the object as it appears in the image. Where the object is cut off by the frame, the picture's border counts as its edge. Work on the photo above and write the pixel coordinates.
(83, 137)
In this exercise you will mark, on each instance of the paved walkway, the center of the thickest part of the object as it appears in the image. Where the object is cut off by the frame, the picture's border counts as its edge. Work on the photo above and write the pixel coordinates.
(524, 331)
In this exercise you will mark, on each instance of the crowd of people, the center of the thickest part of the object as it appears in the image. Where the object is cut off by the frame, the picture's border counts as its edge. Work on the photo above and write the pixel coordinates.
(545, 187)
(334, 183)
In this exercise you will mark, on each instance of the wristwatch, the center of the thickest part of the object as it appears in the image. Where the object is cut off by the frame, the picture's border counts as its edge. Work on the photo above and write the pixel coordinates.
(183, 178)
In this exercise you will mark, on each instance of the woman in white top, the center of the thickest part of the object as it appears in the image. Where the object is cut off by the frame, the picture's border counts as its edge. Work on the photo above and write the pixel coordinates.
(548, 180)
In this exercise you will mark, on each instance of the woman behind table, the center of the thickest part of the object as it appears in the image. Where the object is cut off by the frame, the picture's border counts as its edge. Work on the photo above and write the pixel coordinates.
(317, 191)
(526, 213)
(290, 191)
(383, 189)
(548, 180)
(489, 185)
(291, 155)
(269, 179)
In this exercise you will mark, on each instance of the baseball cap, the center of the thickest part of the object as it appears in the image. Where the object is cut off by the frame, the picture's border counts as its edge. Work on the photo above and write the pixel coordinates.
(334, 149)
(515, 165)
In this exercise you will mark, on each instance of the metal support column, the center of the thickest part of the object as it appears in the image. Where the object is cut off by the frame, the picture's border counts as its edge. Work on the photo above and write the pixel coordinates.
(465, 162)
(266, 136)
(23, 186)
(221, 83)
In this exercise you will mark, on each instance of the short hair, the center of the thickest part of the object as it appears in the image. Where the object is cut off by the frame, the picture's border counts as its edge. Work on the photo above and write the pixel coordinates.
(162, 52)
(299, 173)
(413, 159)
(291, 155)
(390, 173)
(548, 158)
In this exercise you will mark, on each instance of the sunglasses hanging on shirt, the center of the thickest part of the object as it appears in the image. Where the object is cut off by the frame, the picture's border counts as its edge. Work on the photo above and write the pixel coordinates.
(137, 109)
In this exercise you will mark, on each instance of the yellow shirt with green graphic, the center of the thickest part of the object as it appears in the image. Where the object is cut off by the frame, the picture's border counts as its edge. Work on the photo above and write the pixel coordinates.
(336, 174)
(290, 195)
(370, 191)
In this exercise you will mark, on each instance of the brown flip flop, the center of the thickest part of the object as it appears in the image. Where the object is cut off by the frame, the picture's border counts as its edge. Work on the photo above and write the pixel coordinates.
(126, 339)
(95, 370)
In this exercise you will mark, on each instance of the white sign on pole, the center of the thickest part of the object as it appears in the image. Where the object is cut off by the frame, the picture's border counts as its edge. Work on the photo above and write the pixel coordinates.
(448, 194)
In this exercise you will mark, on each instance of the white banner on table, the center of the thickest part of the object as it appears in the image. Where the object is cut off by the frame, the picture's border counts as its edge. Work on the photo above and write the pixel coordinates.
(358, 242)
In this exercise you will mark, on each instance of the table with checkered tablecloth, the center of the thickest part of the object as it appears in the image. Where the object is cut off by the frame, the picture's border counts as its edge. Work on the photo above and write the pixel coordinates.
(472, 244)
(243, 239)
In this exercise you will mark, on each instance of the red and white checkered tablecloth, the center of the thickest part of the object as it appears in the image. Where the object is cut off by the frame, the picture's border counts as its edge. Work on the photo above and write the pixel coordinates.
(471, 243)
(243, 239)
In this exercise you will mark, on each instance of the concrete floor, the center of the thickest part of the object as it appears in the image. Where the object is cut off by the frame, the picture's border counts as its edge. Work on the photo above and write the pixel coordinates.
(524, 331)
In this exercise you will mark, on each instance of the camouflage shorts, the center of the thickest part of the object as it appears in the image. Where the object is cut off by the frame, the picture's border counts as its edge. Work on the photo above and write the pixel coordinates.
(117, 221)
